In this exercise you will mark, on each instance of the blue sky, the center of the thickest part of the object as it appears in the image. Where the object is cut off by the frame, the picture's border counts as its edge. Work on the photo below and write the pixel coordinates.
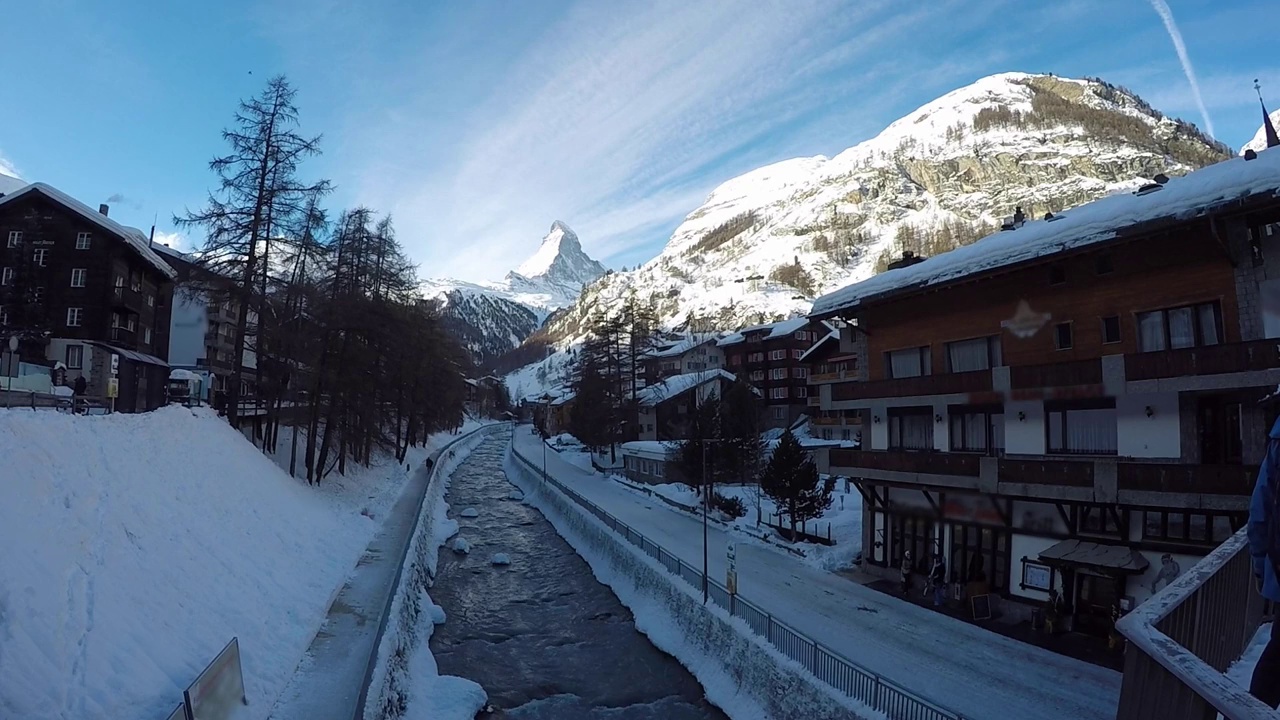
(476, 124)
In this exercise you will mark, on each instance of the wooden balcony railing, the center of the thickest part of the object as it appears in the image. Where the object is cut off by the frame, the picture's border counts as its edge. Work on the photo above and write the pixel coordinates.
(1179, 478)
(1071, 473)
(1212, 360)
(946, 384)
(934, 463)
(1182, 640)
(1063, 374)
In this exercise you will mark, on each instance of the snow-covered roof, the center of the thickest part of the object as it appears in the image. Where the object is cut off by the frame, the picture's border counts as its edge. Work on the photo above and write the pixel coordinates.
(659, 392)
(564, 398)
(180, 374)
(134, 237)
(833, 336)
(9, 183)
(681, 346)
(778, 329)
(651, 449)
(1181, 198)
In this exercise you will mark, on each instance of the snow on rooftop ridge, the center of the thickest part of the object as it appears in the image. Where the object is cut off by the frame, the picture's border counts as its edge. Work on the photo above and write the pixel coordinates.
(134, 237)
(658, 392)
(777, 329)
(1090, 223)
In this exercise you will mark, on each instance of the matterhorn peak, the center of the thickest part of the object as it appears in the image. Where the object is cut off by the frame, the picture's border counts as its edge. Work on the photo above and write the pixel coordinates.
(560, 241)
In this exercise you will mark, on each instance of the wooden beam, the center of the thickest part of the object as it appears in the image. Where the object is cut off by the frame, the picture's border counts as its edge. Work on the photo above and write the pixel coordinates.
(1005, 515)
(1066, 519)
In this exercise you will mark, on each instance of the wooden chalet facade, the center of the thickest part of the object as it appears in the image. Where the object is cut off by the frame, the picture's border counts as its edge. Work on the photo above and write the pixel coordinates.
(768, 357)
(79, 288)
(1068, 407)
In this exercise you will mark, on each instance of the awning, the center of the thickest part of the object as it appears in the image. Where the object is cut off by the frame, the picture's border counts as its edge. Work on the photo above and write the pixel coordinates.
(130, 354)
(1096, 555)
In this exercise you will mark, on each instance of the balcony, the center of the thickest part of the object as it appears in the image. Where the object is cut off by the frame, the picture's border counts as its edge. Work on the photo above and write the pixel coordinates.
(1212, 360)
(814, 401)
(946, 384)
(1063, 374)
(931, 463)
(1070, 473)
(1182, 640)
(124, 336)
(1179, 478)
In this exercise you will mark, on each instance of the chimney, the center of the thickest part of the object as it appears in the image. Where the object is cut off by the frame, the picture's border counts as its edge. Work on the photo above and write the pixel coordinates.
(909, 258)
(104, 209)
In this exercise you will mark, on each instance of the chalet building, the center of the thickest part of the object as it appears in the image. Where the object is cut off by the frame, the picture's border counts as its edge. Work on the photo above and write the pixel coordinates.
(1071, 404)
(650, 461)
(831, 360)
(202, 331)
(667, 407)
(768, 357)
(80, 289)
(680, 355)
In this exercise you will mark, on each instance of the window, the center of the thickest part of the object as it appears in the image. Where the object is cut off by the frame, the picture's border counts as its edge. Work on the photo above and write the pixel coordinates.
(151, 300)
(40, 255)
(1182, 327)
(1110, 329)
(1057, 275)
(802, 392)
(800, 372)
(777, 354)
(779, 393)
(37, 294)
(976, 429)
(779, 413)
(131, 323)
(6, 276)
(4, 316)
(1062, 336)
(83, 240)
(778, 374)
(802, 335)
(797, 354)
(1183, 527)
(756, 357)
(1099, 520)
(1103, 264)
(735, 360)
(658, 469)
(75, 357)
(78, 276)
(911, 429)
(73, 316)
(912, 362)
(977, 354)
(15, 238)
(146, 335)
(757, 375)
(135, 281)
(1085, 428)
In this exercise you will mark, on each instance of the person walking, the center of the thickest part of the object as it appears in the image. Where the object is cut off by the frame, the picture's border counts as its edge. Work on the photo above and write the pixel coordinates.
(938, 580)
(907, 567)
(1264, 547)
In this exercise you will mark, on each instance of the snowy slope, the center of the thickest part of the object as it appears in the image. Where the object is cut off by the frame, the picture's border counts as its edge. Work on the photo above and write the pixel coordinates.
(765, 243)
(1257, 144)
(9, 182)
(492, 318)
(136, 546)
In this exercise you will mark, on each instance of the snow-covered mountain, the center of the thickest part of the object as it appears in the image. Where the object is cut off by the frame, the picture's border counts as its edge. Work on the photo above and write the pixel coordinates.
(1259, 141)
(764, 243)
(492, 318)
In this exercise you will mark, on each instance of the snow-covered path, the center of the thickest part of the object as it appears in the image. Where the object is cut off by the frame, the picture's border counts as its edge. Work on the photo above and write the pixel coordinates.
(962, 667)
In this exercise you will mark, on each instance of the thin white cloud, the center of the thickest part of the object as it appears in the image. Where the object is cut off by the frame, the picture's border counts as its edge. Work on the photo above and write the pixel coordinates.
(175, 240)
(1166, 15)
(7, 168)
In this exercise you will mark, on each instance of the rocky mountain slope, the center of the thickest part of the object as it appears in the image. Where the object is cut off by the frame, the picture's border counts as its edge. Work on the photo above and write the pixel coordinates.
(1259, 141)
(492, 318)
(767, 242)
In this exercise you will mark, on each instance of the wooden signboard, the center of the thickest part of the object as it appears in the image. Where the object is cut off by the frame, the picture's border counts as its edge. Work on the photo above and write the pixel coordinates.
(981, 607)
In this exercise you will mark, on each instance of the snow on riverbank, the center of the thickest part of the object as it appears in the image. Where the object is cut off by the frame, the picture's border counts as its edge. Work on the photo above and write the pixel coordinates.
(136, 546)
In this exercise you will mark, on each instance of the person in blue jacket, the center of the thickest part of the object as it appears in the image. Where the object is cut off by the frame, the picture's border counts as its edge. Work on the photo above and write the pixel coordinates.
(1264, 547)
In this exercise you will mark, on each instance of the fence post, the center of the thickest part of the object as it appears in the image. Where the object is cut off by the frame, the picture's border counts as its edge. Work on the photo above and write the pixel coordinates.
(768, 634)
(733, 604)
(875, 694)
(813, 666)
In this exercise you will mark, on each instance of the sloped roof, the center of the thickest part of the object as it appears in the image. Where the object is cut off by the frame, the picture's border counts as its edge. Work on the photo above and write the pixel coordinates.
(681, 346)
(676, 384)
(134, 237)
(833, 336)
(778, 329)
(1181, 198)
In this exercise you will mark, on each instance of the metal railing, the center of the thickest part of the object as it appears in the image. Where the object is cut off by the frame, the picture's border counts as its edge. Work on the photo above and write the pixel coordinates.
(1182, 640)
(850, 678)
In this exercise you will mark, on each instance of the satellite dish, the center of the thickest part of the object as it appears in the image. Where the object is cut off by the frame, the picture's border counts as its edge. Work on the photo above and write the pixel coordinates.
(13, 343)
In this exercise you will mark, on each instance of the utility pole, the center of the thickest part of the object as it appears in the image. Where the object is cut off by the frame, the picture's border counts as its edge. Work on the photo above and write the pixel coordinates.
(706, 500)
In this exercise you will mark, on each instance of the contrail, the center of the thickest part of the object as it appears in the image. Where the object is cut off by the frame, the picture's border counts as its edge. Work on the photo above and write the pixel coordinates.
(1166, 15)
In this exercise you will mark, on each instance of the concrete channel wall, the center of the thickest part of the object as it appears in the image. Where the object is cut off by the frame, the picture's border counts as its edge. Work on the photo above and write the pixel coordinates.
(741, 673)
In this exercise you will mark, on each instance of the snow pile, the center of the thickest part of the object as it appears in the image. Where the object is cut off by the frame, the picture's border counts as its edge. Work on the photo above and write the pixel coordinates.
(462, 546)
(500, 559)
(739, 671)
(515, 495)
(469, 513)
(404, 675)
(137, 546)
(1257, 144)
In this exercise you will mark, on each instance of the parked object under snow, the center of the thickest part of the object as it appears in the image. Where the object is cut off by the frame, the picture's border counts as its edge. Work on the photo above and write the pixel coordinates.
(461, 546)
(469, 513)
(500, 559)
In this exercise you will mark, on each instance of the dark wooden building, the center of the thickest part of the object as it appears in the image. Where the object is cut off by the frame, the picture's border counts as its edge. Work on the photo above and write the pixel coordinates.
(768, 357)
(79, 288)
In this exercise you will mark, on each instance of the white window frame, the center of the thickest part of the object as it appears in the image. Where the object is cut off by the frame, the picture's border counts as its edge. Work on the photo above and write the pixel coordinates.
(4, 316)
(802, 392)
(40, 256)
(778, 374)
(6, 276)
(75, 316)
(15, 238)
(151, 300)
(777, 354)
(779, 413)
(83, 240)
(78, 362)
(800, 372)
(146, 335)
(81, 274)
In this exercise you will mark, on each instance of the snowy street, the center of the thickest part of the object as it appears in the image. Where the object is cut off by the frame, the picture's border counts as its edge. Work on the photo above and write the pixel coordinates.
(962, 667)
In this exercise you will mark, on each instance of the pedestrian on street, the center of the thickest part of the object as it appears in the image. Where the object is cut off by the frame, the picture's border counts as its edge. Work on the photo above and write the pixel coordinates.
(907, 567)
(1264, 547)
(938, 580)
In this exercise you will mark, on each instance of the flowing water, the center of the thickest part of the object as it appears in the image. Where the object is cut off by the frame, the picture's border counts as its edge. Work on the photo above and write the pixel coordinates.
(544, 638)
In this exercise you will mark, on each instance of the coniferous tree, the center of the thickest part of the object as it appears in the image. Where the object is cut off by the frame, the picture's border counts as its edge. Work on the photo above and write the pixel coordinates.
(741, 447)
(791, 480)
(697, 454)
